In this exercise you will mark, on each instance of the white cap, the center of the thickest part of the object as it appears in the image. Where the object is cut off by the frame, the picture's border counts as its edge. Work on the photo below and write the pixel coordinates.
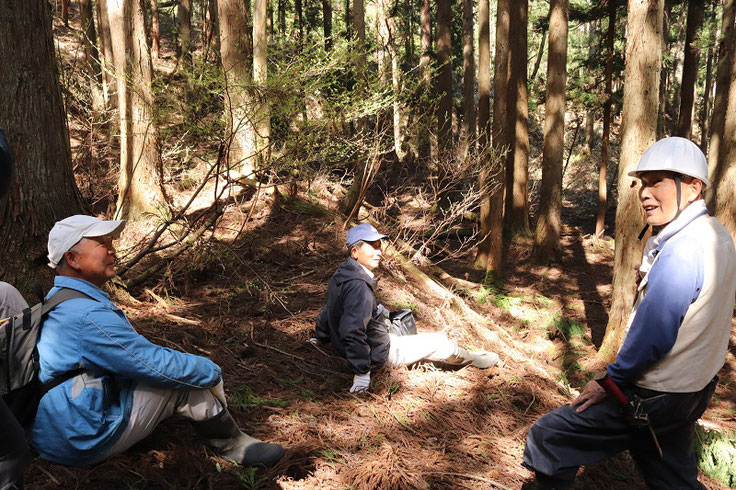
(674, 154)
(67, 232)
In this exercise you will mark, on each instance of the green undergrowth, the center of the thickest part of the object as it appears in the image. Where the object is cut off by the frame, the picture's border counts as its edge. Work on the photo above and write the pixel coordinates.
(716, 453)
(243, 398)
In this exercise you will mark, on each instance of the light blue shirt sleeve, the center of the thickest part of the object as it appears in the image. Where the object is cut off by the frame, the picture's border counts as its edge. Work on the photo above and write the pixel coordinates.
(674, 283)
(114, 346)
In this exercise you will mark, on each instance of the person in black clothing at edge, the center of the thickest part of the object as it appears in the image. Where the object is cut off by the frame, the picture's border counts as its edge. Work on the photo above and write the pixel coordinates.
(355, 323)
(15, 455)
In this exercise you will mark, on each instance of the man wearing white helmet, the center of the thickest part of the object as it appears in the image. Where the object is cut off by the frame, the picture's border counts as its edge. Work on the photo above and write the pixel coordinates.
(676, 340)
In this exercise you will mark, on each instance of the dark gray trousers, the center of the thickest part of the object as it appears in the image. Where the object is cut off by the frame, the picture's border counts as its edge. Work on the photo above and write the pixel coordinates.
(563, 440)
(14, 452)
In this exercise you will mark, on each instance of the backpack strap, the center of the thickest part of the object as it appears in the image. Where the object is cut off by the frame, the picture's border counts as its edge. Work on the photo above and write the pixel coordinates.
(64, 294)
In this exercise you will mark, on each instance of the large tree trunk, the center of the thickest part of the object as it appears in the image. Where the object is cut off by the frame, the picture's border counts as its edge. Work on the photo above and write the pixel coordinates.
(549, 225)
(723, 82)
(425, 72)
(600, 222)
(139, 185)
(260, 76)
(690, 68)
(109, 84)
(91, 57)
(516, 217)
(724, 175)
(490, 254)
(468, 129)
(155, 30)
(34, 122)
(638, 132)
(327, 23)
(184, 14)
(236, 53)
(444, 75)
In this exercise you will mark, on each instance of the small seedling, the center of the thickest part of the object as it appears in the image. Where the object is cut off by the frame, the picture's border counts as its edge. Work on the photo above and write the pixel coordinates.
(248, 478)
(243, 398)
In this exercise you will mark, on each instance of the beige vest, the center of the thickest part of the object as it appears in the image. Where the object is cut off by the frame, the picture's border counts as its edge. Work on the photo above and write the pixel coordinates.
(700, 348)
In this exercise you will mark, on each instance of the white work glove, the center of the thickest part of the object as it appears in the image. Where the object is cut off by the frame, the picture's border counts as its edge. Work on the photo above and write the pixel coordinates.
(361, 383)
(219, 392)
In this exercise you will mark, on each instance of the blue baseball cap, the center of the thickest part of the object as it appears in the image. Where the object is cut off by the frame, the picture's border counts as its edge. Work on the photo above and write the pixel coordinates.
(363, 232)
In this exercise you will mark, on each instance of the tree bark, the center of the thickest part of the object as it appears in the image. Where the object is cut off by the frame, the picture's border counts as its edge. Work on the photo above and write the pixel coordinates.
(34, 122)
(139, 184)
(516, 217)
(260, 78)
(600, 222)
(425, 73)
(705, 108)
(109, 84)
(65, 12)
(327, 23)
(444, 76)
(724, 175)
(638, 131)
(549, 225)
(282, 18)
(299, 22)
(91, 56)
(690, 68)
(184, 15)
(155, 31)
(469, 120)
(490, 253)
(723, 81)
(236, 51)
(359, 31)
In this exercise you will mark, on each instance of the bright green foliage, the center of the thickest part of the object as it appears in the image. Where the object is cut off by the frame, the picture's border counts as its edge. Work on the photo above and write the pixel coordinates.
(716, 453)
(243, 398)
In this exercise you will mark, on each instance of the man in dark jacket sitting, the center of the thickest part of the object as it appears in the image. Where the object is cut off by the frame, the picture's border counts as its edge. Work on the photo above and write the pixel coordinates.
(355, 323)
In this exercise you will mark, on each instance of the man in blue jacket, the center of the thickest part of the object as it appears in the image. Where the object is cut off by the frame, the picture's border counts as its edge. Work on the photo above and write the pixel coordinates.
(676, 341)
(127, 385)
(355, 323)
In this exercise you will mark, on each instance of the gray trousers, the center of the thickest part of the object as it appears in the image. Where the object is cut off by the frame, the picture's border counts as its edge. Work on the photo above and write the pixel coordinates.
(408, 349)
(562, 440)
(14, 453)
(151, 405)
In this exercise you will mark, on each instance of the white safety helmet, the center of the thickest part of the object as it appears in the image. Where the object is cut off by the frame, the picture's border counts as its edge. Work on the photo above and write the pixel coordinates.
(674, 154)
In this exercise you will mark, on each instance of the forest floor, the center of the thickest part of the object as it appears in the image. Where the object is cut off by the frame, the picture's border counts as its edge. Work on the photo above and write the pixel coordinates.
(251, 307)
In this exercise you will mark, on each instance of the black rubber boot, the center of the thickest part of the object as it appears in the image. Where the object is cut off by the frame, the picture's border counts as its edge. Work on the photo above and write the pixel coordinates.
(545, 482)
(223, 434)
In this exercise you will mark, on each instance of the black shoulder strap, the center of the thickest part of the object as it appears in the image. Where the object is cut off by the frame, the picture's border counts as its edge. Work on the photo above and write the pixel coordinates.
(64, 294)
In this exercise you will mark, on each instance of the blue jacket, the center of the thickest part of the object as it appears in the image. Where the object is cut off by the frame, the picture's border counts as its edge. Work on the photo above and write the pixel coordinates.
(353, 320)
(79, 420)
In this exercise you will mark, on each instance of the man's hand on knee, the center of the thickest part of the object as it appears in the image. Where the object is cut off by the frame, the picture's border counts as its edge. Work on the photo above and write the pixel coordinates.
(592, 394)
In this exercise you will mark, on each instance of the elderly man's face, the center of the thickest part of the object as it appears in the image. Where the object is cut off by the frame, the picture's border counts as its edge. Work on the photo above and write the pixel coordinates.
(658, 195)
(93, 259)
(368, 254)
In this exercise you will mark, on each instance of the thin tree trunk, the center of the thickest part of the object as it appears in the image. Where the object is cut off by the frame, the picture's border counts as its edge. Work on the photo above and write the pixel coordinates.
(600, 225)
(236, 51)
(516, 217)
(155, 31)
(705, 109)
(109, 83)
(540, 54)
(282, 18)
(638, 131)
(444, 75)
(359, 30)
(348, 20)
(490, 253)
(299, 22)
(468, 131)
(35, 125)
(690, 68)
(184, 14)
(139, 185)
(91, 56)
(425, 73)
(327, 23)
(65, 12)
(549, 225)
(723, 82)
(260, 76)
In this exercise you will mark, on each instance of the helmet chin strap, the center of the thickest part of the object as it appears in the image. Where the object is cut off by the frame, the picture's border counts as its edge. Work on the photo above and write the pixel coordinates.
(655, 229)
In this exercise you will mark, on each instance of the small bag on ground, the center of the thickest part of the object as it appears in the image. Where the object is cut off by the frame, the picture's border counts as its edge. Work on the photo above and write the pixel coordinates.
(402, 323)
